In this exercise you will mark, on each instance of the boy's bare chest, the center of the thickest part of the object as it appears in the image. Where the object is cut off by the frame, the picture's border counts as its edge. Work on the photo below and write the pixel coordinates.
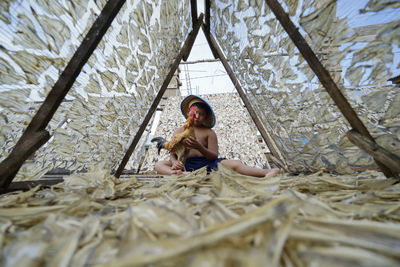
(201, 136)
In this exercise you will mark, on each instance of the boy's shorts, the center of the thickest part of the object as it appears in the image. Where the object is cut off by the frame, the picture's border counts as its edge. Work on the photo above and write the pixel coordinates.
(195, 163)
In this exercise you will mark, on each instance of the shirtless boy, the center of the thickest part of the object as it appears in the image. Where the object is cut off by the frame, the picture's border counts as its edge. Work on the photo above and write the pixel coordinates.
(203, 150)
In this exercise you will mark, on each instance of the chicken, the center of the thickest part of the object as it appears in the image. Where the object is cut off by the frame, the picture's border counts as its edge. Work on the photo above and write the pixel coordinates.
(176, 145)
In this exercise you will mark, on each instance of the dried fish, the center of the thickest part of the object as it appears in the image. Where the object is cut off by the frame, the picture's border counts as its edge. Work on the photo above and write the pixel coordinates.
(192, 214)
(379, 5)
(222, 218)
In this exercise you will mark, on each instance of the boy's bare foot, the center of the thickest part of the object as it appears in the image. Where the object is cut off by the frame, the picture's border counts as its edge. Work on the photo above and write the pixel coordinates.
(272, 172)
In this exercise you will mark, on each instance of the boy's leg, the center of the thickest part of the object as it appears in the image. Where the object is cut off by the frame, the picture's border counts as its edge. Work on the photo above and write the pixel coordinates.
(241, 168)
(164, 167)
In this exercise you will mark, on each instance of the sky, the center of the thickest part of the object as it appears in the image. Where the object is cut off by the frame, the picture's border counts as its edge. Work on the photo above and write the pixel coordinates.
(205, 78)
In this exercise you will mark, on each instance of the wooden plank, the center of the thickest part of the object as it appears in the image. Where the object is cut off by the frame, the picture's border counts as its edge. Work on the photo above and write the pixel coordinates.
(207, 7)
(380, 154)
(206, 27)
(192, 36)
(322, 74)
(215, 54)
(200, 61)
(188, 43)
(193, 6)
(27, 185)
(395, 80)
(267, 138)
(10, 166)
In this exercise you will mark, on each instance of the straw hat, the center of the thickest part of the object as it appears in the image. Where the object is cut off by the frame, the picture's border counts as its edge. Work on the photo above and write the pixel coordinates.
(189, 101)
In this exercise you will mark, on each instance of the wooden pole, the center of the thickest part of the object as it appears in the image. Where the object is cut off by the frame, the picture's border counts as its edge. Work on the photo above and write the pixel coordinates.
(193, 6)
(27, 185)
(192, 37)
(9, 166)
(322, 74)
(187, 45)
(390, 160)
(200, 61)
(206, 27)
(267, 138)
(207, 8)
(35, 132)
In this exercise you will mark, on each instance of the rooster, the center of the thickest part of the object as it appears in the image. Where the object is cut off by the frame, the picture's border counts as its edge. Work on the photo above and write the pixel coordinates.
(176, 145)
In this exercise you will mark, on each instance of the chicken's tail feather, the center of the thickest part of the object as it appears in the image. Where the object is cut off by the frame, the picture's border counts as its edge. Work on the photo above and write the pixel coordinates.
(160, 143)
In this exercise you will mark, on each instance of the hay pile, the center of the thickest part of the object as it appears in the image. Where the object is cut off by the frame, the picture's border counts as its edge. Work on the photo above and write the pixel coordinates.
(198, 220)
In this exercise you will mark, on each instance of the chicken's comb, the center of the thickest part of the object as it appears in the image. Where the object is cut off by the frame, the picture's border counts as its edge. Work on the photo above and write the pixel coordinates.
(192, 111)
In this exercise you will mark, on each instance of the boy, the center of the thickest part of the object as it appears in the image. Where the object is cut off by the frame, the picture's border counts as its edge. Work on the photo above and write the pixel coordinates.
(203, 149)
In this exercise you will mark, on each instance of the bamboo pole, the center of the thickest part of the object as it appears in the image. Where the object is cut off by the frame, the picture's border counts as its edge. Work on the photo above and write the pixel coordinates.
(187, 45)
(322, 74)
(390, 160)
(35, 134)
(267, 138)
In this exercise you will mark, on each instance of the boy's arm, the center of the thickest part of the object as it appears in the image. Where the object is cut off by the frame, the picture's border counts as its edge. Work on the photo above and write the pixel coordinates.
(211, 152)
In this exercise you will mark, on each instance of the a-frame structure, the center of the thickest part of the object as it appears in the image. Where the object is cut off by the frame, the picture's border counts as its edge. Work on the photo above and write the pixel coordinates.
(35, 135)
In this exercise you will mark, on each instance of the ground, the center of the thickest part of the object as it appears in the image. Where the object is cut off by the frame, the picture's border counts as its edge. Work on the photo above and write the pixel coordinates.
(93, 219)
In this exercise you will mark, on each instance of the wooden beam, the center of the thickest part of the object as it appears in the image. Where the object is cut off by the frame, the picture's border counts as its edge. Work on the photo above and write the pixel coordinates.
(380, 154)
(27, 185)
(322, 74)
(267, 138)
(192, 36)
(200, 61)
(206, 26)
(187, 45)
(10, 165)
(35, 130)
(215, 54)
(207, 8)
(193, 6)
(395, 80)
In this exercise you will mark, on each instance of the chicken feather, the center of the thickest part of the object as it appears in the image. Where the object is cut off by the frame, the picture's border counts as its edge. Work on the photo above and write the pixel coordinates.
(176, 145)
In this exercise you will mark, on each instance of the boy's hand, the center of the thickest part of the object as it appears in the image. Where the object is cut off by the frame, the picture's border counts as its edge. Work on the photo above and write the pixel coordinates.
(177, 165)
(192, 143)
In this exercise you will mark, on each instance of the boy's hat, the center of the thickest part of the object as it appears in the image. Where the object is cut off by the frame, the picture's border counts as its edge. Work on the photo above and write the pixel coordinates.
(188, 101)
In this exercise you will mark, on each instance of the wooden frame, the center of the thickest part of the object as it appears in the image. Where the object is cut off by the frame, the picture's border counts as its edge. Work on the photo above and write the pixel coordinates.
(184, 52)
(35, 134)
(206, 28)
(193, 6)
(188, 45)
(27, 185)
(379, 153)
(279, 160)
(323, 75)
